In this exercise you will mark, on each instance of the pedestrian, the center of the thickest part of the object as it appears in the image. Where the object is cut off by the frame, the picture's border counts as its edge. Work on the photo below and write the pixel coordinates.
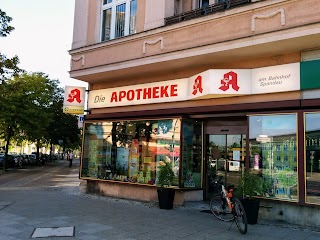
(70, 159)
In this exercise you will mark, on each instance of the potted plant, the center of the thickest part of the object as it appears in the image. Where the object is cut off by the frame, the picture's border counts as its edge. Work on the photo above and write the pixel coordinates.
(165, 177)
(251, 185)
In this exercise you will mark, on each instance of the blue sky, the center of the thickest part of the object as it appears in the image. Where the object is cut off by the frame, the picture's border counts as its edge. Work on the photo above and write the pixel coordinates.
(42, 36)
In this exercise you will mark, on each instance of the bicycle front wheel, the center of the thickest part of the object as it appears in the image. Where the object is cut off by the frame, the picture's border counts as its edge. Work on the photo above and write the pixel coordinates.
(220, 209)
(240, 216)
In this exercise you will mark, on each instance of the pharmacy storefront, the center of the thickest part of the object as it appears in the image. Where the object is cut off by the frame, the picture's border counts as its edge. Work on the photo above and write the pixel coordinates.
(266, 120)
(253, 118)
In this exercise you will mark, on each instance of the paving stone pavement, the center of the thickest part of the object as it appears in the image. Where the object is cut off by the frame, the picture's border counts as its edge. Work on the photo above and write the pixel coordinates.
(23, 209)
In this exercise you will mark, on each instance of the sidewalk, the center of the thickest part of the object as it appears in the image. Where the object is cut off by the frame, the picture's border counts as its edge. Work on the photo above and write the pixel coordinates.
(27, 211)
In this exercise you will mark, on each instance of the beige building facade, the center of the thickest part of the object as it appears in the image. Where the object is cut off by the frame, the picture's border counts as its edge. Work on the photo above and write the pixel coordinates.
(216, 87)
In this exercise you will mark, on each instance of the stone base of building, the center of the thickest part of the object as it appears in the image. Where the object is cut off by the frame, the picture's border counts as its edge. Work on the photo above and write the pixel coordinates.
(139, 192)
(290, 213)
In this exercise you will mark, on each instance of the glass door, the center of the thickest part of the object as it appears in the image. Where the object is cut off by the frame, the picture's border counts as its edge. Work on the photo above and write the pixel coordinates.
(225, 154)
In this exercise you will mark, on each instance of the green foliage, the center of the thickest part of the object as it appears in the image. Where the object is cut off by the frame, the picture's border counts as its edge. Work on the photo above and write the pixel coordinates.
(5, 28)
(250, 185)
(63, 127)
(8, 66)
(165, 173)
(31, 104)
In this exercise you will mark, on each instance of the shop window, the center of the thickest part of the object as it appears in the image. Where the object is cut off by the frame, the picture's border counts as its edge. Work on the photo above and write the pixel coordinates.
(273, 154)
(130, 151)
(191, 153)
(118, 18)
(312, 157)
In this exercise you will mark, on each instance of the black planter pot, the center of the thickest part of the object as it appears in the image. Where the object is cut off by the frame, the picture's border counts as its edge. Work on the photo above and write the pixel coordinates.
(251, 206)
(166, 197)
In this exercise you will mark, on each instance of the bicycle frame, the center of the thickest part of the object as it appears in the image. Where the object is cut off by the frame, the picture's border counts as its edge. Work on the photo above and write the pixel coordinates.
(227, 195)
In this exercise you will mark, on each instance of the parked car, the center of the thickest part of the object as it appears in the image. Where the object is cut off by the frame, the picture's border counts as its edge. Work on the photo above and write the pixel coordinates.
(23, 160)
(32, 159)
(1, 160)
(10, 161)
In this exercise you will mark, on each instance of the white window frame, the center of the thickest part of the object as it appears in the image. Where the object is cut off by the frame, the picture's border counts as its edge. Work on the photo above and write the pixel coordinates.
(177, 7)
(113, 5)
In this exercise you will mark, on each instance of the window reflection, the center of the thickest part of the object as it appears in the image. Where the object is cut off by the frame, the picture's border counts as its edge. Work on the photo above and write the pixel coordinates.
(130, 151)
(312, 157)
(191, 153)
(120, 20)
(273, 153)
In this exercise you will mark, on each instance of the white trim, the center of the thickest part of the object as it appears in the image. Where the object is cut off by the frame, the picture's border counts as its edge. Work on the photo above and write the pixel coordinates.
(152, 42)
(269, 15)
(76, 59)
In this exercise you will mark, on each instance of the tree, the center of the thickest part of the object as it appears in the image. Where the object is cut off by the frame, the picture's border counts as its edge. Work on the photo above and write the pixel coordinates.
(41, 93)
(8, 66)
(8, 69)
(64, 129)
(26, 109)
(5, 28)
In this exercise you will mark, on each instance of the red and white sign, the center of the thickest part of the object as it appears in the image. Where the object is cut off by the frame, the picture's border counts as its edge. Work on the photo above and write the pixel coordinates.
(166, 91)
(74, 100)
(220, 83)
(208, 84)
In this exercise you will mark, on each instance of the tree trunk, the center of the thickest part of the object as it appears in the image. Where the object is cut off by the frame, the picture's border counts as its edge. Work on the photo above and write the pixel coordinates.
(9, 134)
(38, 148)
(51, 149)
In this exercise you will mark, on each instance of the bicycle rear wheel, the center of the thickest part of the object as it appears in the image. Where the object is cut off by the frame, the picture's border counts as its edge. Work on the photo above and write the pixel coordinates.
(220, 209)
(240, 216)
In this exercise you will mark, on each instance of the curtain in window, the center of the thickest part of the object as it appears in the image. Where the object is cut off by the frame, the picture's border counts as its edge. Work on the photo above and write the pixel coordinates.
(106, 25)
(120, 20)
(133, 17)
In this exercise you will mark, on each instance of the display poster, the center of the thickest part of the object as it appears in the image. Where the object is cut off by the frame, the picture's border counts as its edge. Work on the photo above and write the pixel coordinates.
(122, 159)
(256, 161)
(236, 155)
(134, 158)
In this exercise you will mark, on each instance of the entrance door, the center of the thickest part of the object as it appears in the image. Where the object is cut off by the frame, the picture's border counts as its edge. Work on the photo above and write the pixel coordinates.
(225, 154)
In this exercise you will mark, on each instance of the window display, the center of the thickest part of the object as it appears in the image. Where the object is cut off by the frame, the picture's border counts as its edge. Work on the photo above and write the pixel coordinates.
(191, 153)
(273, 153)
(130, 151)
(312, 157)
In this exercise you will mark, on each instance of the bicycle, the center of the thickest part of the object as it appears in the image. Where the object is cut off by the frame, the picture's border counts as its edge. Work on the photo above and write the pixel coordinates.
(226, 208)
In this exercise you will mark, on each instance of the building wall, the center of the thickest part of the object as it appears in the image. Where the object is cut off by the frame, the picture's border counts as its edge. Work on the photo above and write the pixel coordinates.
(202, 42)
(141, 193)
(80, 24)
(265, 33)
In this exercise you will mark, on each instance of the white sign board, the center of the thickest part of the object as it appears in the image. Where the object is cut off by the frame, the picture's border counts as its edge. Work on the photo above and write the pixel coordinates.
(166, 91)
(280, 78)
(220, 83)
(263, 139)
(208, 84)
(80, 121)
(74, 100)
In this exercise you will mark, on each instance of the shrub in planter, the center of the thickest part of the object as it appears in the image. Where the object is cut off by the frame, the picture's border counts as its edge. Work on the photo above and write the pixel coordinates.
(251, 185)
(165, 177)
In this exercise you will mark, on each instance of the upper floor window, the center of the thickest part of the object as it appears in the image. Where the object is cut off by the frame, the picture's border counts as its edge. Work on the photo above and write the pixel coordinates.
(118, 18)
(203, 3)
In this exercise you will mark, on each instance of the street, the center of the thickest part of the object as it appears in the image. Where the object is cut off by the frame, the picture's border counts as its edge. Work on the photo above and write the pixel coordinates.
(50, 203)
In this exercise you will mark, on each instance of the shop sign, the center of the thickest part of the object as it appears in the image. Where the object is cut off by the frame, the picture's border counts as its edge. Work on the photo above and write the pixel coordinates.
(74, 99)
(166, 91)
(208, 84)
(220, 83)
(280, 78)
